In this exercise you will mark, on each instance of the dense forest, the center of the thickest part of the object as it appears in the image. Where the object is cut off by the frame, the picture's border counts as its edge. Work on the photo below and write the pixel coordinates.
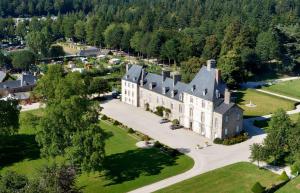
(245, 36)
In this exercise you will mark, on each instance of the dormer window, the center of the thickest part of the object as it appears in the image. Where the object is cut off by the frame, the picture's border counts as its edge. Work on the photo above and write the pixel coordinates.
(173, 93)
(127, 76)
(193, 88)
(218, 94)
(134, 78)
(205, 92)
(180, 97)
(165, 90)
(152, 85)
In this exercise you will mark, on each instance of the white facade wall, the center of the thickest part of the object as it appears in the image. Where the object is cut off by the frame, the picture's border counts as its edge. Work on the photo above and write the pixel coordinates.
(198, 115)
(155, 99)
(130, 93)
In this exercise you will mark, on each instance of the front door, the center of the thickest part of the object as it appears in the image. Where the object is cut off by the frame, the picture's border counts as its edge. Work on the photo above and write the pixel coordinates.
(191, 125)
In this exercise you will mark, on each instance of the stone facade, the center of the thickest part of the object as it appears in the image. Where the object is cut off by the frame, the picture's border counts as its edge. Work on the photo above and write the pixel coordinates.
(204, 105)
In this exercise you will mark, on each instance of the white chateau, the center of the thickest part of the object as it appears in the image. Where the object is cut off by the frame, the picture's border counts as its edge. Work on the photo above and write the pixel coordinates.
(203, 105)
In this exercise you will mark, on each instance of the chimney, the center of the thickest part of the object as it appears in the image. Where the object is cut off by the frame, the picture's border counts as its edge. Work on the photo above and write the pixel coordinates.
(227, 96)
(210, 64)
(22, 80)
(176, 78)
(142, 77)
(218, 76)
(165, 74)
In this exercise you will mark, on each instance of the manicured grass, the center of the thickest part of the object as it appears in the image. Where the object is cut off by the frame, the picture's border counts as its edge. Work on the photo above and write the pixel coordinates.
(291, 187)
(125, 168)
(264, 124)
(265, 104)
(235, 178)
(288, 88)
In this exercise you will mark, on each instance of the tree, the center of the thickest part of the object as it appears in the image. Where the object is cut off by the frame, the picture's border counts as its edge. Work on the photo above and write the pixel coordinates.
(231, 68)
(189, 68)
(113, 35)
(231, 32)
(11, 182)
(283, 176)
(23, 59)
(135, 41)
(38, 42)
(91, 25)
(56, 51)
(267, 46)
(98, 85)
(294, 141)
(80, 30)
(9, 116)
(170, 50)
(211, 49)
(257, 153)
(54, 179)
(3, 59)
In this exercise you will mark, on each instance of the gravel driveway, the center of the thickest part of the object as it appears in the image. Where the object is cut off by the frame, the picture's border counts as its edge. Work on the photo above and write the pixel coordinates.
(206, 159)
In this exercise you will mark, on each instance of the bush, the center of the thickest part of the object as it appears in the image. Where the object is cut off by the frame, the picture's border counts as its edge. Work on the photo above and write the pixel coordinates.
(130, 130)
(146, 138)
(116, 123)
(157, 144)
(104, 117)
(147, 106)
(284, 176)
(160, 111)
(218, 141)
(236, 139)
(295, 168)
(258, 188)
(175, 122)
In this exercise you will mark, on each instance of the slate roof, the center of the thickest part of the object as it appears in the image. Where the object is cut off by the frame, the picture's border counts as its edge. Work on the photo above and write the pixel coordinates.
(91, 51)
(2, 76)
(27, 80)
(168, 84)
(133, 74)
(205, 80)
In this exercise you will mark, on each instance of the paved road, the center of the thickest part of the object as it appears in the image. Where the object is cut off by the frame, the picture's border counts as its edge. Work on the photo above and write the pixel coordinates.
(212, 157)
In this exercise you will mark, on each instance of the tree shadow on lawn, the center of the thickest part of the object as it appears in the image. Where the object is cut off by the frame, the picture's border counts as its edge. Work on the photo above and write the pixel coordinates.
(16, 148)
(131, 164)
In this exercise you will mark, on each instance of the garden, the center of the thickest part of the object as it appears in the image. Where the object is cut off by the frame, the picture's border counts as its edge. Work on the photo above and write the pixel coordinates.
(289, 88)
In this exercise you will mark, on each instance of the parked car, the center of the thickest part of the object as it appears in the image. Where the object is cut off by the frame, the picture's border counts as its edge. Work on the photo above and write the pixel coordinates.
(163, 121)
(177, 126)
(115, 94)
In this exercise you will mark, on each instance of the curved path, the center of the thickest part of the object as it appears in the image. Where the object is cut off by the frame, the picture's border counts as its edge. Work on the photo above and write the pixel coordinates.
(206, 159)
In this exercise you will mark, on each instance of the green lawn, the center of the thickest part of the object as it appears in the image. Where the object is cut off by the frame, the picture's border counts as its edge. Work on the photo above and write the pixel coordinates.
(288, 88)
(126, 166)
(264, 124)
(291, 187)
(265, 104)
(235, 178)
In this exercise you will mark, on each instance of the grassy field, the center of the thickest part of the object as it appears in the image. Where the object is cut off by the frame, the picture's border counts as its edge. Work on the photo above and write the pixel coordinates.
(265, 123)
(288, 88)
(235, 178)
(126, 166)
(265, 104)
(292, 187)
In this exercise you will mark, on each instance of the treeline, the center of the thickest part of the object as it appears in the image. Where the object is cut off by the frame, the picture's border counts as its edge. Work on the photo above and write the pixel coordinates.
(245, 36)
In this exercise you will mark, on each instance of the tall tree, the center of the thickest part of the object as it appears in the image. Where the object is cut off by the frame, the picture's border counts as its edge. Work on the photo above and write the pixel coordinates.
(9, 116)
(267, 46)
(23, 59)
(211, 49)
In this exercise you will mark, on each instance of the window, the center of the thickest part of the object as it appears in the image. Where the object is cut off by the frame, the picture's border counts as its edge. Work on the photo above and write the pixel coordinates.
(129, 93)
(180, 109)
(125, 91)
(191, 99)
(226, 118)
(171, 106)
(202, 117)
(226, 132)
(238, 116)
(132, 94)
(157, 99)
(216, 123)
(202, 129)
(203, 103)
(237, 129)
(191, 112)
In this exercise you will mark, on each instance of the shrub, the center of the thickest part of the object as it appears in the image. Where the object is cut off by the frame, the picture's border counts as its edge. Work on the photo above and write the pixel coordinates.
(295, 168)
(104, 117)
(160, 111)
(146, 138)
(157, 144)
(258, 188)
(130, 130)
(175, 122)
(147, 106)
(218, 141)
(284, 176)
(116, 123)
